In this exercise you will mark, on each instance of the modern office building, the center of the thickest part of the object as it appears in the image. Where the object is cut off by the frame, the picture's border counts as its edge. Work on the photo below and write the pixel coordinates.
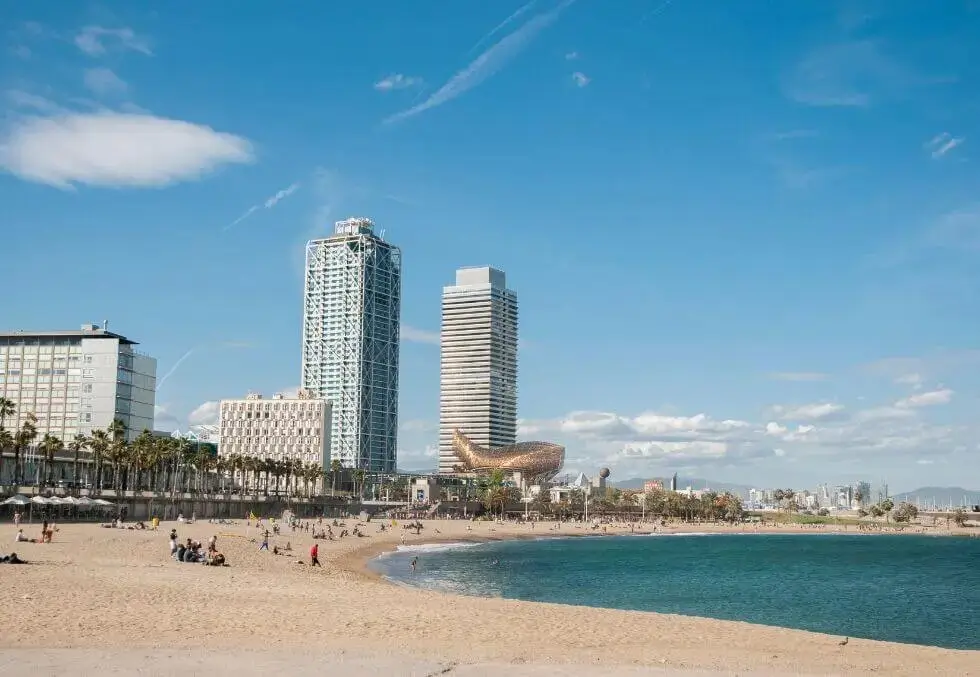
(76, 381)
(478, 370)
(280, 429)
(351, 315)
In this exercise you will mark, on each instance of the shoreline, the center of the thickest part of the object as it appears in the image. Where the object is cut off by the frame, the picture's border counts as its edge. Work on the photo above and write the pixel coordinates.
(119, 592)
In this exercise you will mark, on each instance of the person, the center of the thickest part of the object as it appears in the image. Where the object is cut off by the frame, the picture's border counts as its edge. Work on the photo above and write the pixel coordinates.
(20, 537)
(265, 541)
(213, 543)
(17, 518)
(173, 541)
(415, 563)
(314, 556)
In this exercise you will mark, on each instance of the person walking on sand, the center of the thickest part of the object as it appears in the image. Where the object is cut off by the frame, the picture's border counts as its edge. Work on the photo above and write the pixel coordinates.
(314, 556)
(265, 541)
(16, 519)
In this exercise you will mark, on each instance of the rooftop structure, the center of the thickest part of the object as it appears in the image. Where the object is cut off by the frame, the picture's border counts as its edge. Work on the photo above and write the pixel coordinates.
(351, 315)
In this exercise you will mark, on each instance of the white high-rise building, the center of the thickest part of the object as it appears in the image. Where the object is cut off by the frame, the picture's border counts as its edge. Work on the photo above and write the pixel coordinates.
(76, 381)
(478, 372)
(280, 429)
(351, 315)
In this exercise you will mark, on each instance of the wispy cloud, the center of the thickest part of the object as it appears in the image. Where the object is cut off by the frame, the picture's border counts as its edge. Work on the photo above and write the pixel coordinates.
(416, 335)
(96, 40)
(182, 358)
(794, 134)
(523, 9)
(104, 81)
(802, 376)
(941, 144)
(268, 204)
(581, 79)
(397, 81)
(571, 56)
(656, 10)
(485, 65)
(174, 368)
(929, 399)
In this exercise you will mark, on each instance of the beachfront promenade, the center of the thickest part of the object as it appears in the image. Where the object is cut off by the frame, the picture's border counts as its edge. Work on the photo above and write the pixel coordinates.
(119, 592)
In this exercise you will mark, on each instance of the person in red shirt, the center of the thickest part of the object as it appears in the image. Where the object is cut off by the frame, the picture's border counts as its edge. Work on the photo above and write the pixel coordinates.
(314, 559)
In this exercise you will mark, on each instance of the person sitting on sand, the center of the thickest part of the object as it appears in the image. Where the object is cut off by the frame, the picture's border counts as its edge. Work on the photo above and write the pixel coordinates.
(12, 558)
(179, 552)
(21, 538)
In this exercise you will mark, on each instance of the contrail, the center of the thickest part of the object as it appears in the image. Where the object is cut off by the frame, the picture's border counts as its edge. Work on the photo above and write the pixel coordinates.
(268, 204)
(174, 368)
(485, 65)
(516, 15)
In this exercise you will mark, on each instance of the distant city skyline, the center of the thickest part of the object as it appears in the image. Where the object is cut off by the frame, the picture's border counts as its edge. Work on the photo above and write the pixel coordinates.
(757, 262)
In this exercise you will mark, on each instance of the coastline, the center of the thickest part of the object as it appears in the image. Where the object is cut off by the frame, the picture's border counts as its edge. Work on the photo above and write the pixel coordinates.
(119, 591)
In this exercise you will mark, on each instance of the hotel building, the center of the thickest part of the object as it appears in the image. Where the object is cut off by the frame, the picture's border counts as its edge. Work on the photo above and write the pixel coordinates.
(280, 429)
(76, 381)
(351, 315)
(478, 369)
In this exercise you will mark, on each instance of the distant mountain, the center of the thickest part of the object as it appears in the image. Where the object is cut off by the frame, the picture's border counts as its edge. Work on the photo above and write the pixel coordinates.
(685, 482)
(940, 496)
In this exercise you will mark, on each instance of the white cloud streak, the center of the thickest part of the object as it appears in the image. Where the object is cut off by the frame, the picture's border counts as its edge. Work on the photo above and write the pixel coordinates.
(397, 81)
(581, 79)
(928, 399)
(93, 40)
(268, 204)
(104, 81)
(415, 335)
(174, 368)
(485, 65)
(941, 144)
(116, 150)
(503, 24)
(799, 376)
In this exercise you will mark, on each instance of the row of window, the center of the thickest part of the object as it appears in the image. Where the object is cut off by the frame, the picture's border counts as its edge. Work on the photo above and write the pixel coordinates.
(228, 426)
(269, 439)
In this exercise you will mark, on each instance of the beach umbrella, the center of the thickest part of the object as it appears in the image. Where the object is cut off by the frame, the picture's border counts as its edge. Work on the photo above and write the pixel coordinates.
(17, 500)
(68, 500)
(102, 501)
(84, 500)
(54, 500)
(40, 500)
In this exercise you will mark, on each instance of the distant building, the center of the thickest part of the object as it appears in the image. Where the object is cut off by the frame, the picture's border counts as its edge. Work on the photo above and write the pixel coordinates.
(351, 320)
(280, 429)
(478, 364)
(673, 482)
(652, 485)
(78, 381)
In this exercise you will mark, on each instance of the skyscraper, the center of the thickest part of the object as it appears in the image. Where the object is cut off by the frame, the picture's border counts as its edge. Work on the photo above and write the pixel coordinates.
(478, 373)
(351, 313)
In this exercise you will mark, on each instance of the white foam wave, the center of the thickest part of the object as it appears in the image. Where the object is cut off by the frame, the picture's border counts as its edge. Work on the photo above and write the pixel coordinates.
(687, 533)
(436, 547)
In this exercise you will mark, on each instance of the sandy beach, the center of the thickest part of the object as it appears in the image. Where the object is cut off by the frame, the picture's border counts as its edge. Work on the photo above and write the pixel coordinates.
(118, 592)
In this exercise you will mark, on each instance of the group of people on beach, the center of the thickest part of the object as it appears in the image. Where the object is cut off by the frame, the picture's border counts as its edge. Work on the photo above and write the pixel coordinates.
(191, 551)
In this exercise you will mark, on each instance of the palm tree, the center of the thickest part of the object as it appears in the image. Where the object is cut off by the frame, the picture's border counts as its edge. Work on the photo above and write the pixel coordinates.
(7, 408)
(23, 438)
(49, 445)
(75, 447)
(335, 468)
(6, 442)
(99, 443)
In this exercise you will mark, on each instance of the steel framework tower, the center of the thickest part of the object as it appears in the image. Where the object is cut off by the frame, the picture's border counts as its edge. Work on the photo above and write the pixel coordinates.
(351, 317)
(478, 371)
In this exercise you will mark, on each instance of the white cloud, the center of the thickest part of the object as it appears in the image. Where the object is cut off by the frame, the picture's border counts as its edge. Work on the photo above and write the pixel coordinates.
(913, 379)
(415, 335)
(163, 419)
(205, 414)
(519, 12)
(928, 399)
(941, 144)
(571, 56)
(581, 79)
(397, 81)
(21, 99)
(103, 81)
(96, 40)
(802, 376)
(116, 149)
(807, 412)
(485, 65)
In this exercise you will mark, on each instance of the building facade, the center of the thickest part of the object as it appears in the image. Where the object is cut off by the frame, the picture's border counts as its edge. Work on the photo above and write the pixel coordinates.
(278, 429)
(75, 382)
(351, 317)
(478, 363)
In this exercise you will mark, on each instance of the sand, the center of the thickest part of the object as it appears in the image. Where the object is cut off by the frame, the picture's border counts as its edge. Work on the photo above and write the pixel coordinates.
(106, 589)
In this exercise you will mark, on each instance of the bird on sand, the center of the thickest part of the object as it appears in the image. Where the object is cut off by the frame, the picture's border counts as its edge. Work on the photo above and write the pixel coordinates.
(843, 642)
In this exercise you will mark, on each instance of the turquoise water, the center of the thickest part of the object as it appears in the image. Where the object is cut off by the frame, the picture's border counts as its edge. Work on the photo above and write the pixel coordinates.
(913, 589)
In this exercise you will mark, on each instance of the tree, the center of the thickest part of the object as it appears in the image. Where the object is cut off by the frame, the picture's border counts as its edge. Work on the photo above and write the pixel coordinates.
(335, 468)
(886, 507)
(7, 408)
(905, 512)
(23, 438)
(75, 447)
(99, 443)
(48, 447)
(959, 517)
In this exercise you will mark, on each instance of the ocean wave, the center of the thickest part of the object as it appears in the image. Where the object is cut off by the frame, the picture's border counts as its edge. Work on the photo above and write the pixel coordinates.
(437, 547)
(688, 533)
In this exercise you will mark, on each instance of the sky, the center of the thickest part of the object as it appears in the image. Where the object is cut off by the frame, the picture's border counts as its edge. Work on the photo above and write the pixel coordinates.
(745, 236)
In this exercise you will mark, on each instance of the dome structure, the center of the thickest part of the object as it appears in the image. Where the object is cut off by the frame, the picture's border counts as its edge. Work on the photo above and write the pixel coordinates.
(604, 473)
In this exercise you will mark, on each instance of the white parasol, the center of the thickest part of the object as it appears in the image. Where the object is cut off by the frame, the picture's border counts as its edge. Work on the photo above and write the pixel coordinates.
(17, 500)
(40, 500)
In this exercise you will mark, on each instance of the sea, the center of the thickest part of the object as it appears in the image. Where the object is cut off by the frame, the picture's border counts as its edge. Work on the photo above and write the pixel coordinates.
(898, 588)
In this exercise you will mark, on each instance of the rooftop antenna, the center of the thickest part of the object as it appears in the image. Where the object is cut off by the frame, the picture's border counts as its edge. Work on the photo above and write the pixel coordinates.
(105, 325)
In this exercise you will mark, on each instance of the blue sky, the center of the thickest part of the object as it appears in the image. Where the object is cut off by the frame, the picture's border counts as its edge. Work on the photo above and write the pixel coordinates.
(744, 236)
